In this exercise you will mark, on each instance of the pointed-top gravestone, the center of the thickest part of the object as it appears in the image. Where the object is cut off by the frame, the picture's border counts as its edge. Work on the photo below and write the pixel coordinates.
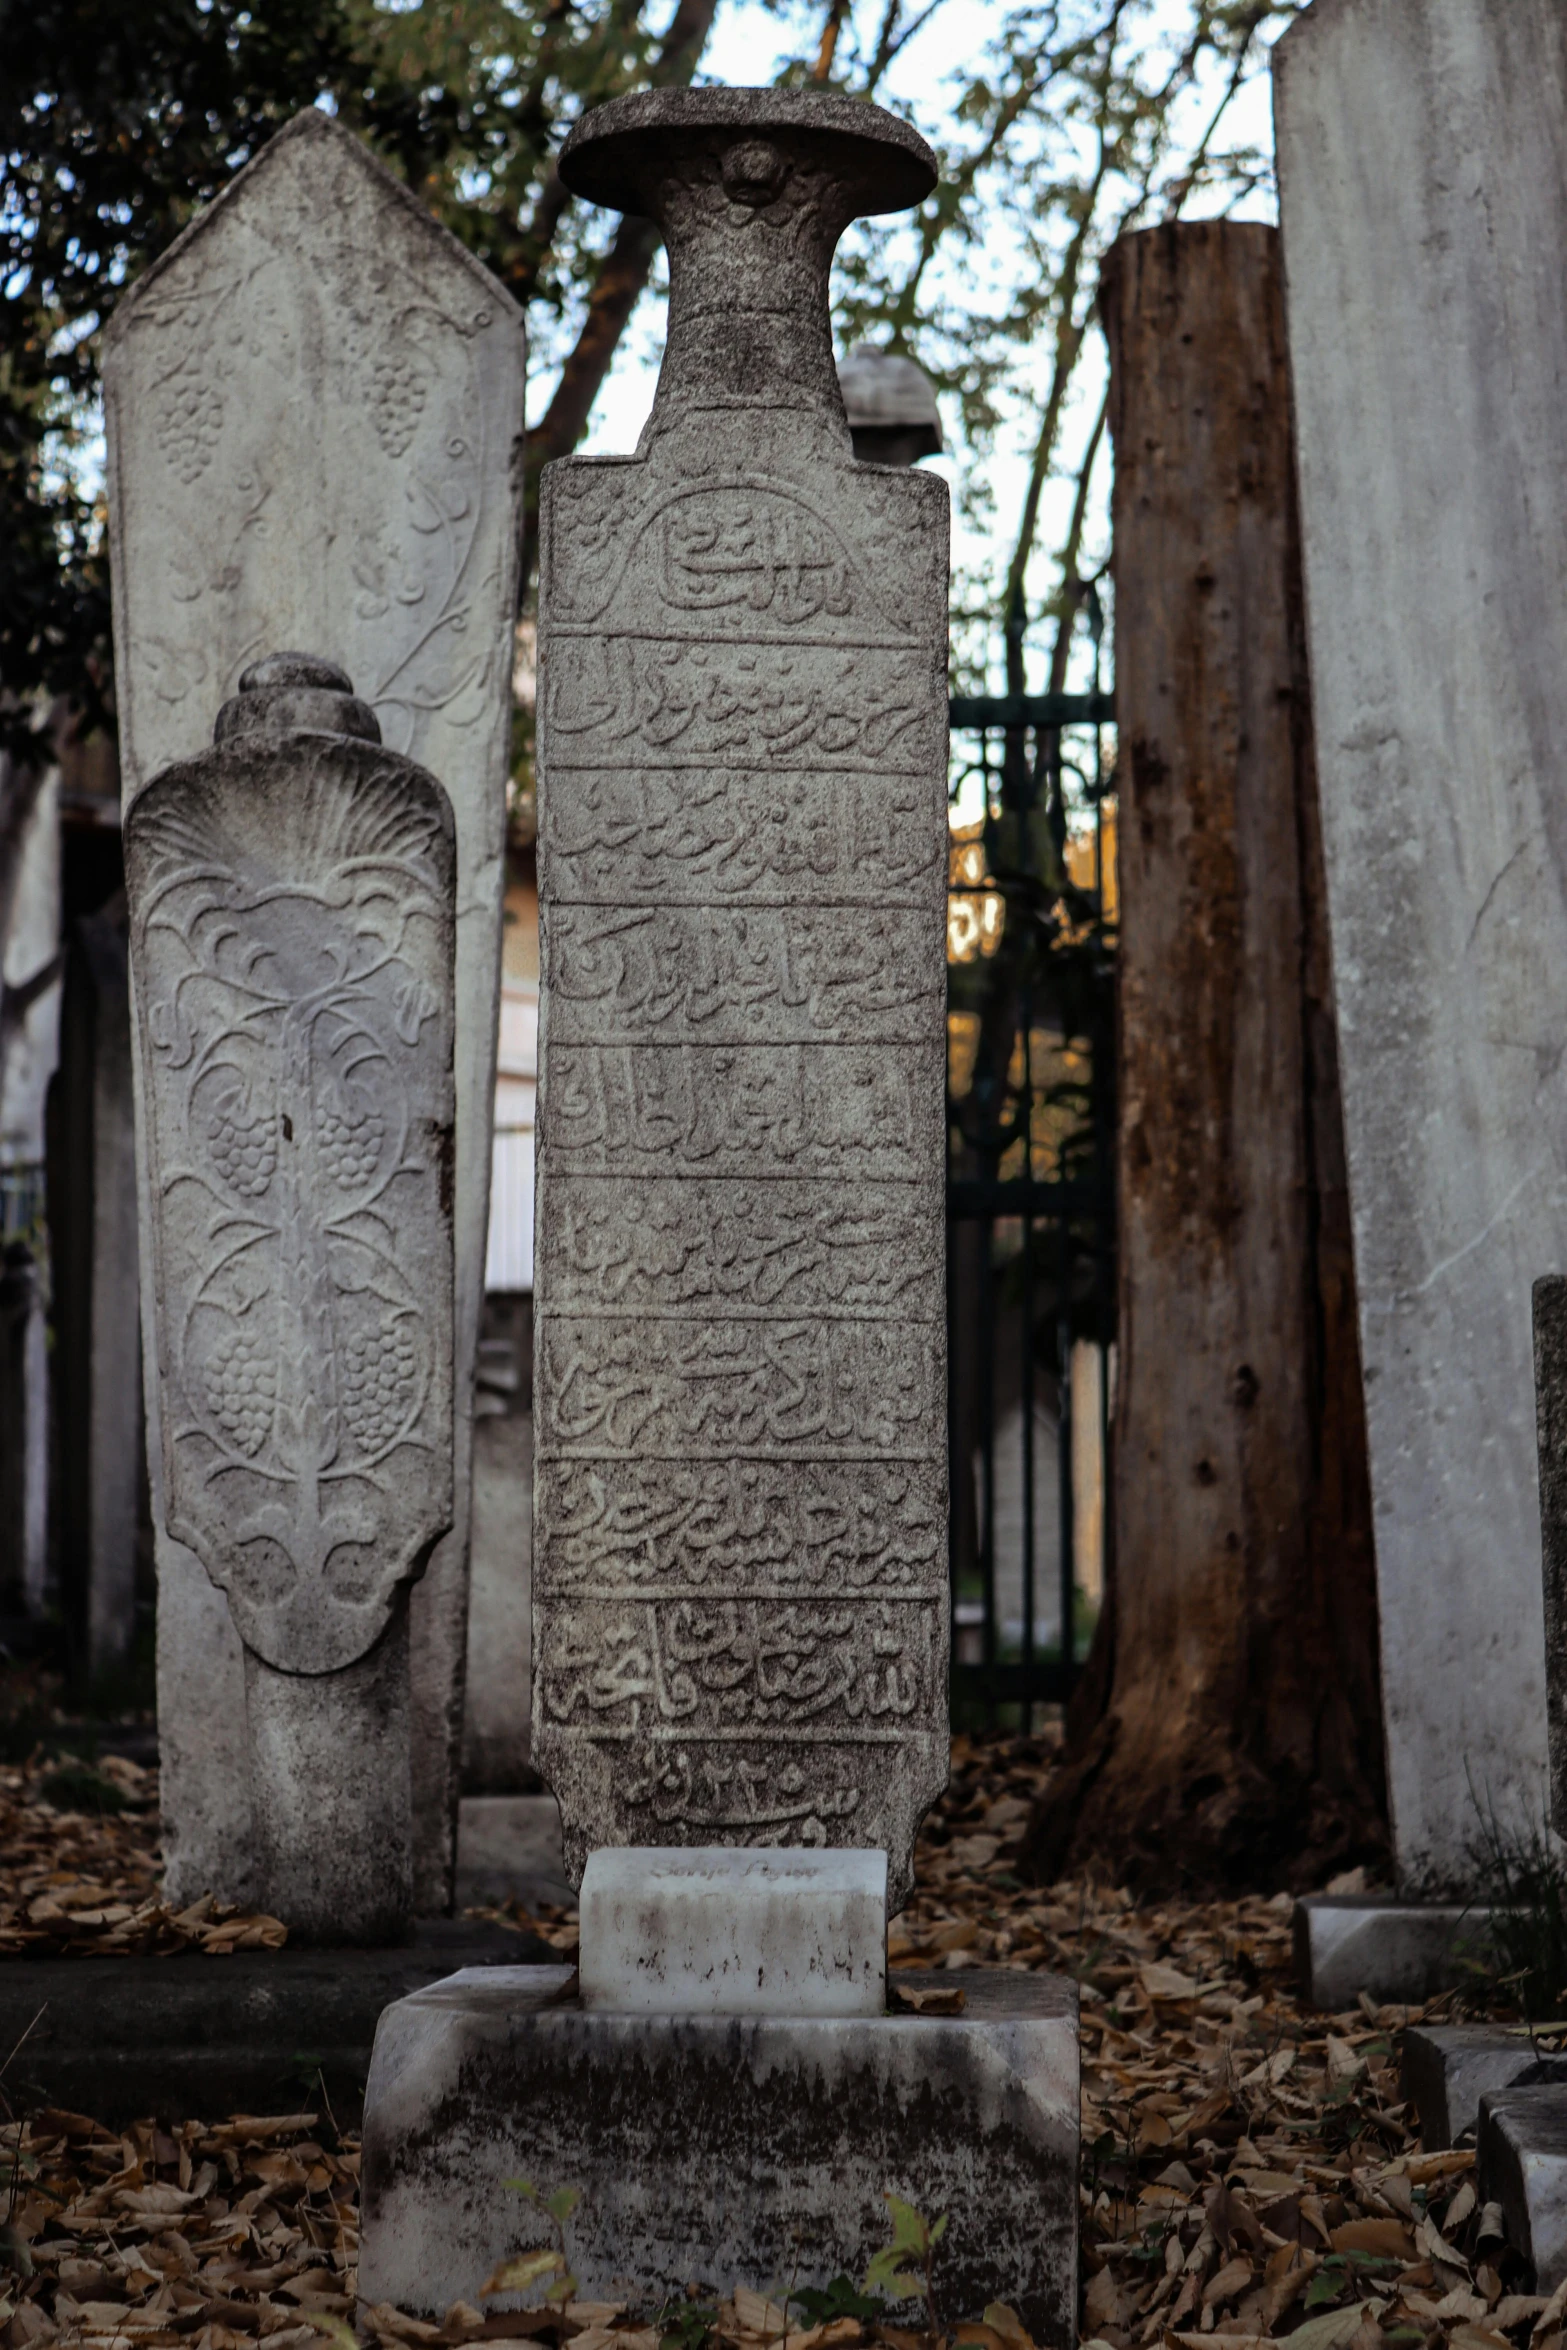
(740, 1552)
(314, 406)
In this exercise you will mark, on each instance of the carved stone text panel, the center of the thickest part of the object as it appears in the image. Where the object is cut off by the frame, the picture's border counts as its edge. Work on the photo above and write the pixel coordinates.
(620, 1245)
(845, 1111)
(697, 1528)
(769, 1389)
(710, 836)
(710, 975)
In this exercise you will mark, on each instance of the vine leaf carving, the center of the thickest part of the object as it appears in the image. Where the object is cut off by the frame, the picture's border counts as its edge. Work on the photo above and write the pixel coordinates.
(292, 930)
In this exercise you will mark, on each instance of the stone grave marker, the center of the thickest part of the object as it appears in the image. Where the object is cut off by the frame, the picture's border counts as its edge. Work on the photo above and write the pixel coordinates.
(97, 1330)
(314, 406)
(1422, 150)
(292, 901)
(740, 1602)
(740, 1526)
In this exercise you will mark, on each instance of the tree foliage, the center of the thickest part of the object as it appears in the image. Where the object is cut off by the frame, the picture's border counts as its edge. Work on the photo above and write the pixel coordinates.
(1070, 120)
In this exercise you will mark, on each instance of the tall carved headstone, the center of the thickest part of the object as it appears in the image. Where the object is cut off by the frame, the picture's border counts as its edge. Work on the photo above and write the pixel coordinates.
(314, 409)
(740, 1626)
(1422, 148)
(740, 1533)
(291, 895)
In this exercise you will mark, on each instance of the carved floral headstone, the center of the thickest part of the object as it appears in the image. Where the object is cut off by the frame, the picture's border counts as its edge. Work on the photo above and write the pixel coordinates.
(292, 917)
(740, 1548)
(314, 406)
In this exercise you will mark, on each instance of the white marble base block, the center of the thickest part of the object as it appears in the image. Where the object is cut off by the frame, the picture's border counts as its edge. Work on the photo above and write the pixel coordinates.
(716, 2150)
(723, 1931)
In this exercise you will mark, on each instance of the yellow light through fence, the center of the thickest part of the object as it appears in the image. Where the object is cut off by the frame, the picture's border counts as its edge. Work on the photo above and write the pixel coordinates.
(976, 914)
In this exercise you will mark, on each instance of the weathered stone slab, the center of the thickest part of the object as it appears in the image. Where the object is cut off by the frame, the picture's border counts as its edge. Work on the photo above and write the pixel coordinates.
(508, 1849)
(723, 2150)
(1422, 152)
(721, 1931)
(1522, 2147)
(292, 942)
(314, 407)
(740, 1316)
(258, 2032)
(891, 406)
(1446, 2069)
(497, 1702)
(1346, 1943)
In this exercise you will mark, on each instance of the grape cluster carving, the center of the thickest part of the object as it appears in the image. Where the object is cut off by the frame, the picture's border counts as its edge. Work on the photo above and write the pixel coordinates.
(398, 392)
(242, 1390)
(188, 428)
(244, 1148)
(382, 1368)
(348, 1144)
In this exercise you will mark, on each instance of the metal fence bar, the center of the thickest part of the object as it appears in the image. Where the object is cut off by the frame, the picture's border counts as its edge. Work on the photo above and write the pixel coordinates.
(1047, 1242)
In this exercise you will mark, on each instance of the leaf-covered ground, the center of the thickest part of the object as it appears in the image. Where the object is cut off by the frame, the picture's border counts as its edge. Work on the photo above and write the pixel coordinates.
(1248, 2168)
(79, 1869)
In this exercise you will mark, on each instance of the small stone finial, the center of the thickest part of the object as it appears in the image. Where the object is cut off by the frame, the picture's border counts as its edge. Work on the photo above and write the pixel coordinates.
(295, 693)
(891, 406)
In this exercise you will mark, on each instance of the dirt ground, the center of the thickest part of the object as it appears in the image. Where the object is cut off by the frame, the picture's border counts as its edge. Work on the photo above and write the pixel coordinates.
(1248, 2168)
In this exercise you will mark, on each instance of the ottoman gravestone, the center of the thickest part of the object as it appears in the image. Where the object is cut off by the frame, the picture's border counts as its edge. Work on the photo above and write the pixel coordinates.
(740, 1593)
(1422, 148)
(740, 1599)
(292, 898)
(314, 410)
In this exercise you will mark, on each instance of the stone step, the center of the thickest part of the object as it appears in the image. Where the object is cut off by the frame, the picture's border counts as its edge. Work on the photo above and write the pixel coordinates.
(187, 2037)
(724, 2149)
(1346, 1943)
(1523, 2167)
(1448, 2068)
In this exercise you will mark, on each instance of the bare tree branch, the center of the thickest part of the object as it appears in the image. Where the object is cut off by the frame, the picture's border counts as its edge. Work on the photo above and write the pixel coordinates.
(832, 26)
(621, 276)
(1071, 550)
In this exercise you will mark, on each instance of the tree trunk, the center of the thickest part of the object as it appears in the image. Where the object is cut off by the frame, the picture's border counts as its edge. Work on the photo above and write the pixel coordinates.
(1229, 1729)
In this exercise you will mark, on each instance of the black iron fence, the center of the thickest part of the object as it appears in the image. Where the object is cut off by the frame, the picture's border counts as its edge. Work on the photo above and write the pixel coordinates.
(1030, 1191)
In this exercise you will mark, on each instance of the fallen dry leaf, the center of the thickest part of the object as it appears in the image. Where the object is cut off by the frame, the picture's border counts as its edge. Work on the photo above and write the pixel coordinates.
(1246, 2165)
